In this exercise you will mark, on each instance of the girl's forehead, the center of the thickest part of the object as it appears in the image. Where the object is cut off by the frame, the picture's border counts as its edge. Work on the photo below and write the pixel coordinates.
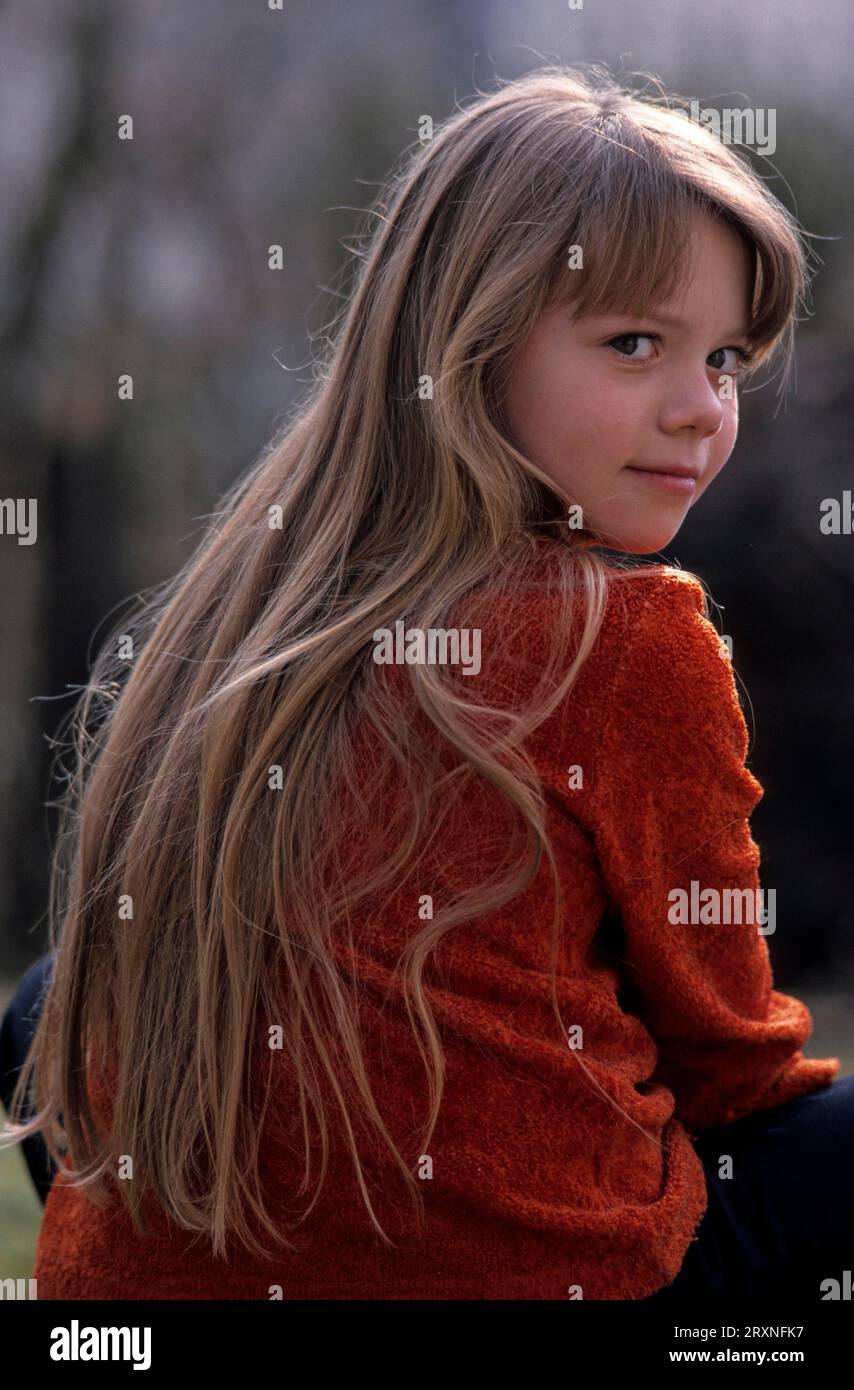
(680, 295)
(654, 263)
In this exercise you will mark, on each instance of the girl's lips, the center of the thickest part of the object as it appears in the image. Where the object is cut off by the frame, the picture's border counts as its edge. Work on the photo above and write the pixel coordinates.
(671, 482)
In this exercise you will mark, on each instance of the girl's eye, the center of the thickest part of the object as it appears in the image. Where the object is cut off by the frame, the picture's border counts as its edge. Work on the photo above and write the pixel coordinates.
(630, 338)
(742, 357)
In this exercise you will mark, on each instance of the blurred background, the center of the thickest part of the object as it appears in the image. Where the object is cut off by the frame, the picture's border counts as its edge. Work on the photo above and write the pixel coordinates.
(256, 123)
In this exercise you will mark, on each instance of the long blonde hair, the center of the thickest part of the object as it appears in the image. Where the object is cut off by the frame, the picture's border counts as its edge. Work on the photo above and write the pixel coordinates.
(379, 500)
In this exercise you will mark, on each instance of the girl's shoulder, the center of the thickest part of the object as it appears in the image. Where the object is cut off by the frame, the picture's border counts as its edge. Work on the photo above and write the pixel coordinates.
(655, 599)
(658, 696)
(642, 628)
(633, 611)
(660, 600)
(658, 652)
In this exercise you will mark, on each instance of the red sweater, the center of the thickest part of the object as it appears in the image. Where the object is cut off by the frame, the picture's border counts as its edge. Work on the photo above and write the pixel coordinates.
(545, 1175)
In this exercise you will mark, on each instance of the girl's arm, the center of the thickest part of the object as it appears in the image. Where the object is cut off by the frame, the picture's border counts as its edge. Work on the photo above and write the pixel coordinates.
(672, 797)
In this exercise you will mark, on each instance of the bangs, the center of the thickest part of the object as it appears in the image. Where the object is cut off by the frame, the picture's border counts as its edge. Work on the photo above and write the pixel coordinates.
(634, 228)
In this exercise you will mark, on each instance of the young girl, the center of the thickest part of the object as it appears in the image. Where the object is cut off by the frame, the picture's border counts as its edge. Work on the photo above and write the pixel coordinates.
(386, 978)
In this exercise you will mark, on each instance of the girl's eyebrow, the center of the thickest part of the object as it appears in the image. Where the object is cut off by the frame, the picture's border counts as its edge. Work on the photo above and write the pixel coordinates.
(673, 321)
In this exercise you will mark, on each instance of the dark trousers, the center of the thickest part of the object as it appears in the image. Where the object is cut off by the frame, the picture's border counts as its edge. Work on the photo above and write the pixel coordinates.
(783, 1223)
(16, 1033)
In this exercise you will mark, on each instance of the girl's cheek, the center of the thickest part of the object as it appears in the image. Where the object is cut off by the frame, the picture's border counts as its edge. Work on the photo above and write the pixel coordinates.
(729, 423)
(725, 445)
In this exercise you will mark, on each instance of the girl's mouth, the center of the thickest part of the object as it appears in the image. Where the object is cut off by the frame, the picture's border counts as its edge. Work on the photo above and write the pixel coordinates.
(671, 482)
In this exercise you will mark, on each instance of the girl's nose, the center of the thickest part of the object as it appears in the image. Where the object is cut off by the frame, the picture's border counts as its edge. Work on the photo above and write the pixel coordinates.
(696, 406)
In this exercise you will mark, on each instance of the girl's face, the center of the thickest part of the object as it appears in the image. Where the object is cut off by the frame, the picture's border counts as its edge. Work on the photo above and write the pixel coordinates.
(595, 402)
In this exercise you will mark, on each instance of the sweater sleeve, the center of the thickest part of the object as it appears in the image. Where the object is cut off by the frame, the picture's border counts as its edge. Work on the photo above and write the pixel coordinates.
(673, 796)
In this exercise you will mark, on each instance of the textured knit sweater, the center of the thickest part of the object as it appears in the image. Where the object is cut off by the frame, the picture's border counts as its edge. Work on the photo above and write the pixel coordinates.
(562, 1163)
